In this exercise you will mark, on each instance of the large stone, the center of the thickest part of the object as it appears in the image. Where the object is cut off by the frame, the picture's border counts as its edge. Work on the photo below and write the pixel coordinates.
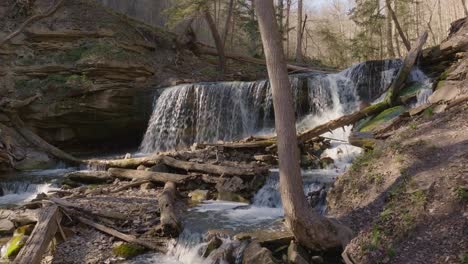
(233, 184)
(6, 227)
(34, 160)
(198, 195)
(255, 254)
(445, 93)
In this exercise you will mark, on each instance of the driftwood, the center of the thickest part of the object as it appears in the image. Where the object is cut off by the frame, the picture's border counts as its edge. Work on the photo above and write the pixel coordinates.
(126, 163)
(124, 237)
(244, 145)
(30, 20)
(89, 176)
(160, 177)
(130, 185)
(210, 168)
(37, 243)
(170, 224)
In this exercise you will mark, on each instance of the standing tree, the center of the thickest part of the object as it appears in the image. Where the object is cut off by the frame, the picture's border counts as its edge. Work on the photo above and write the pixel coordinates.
(397, 25)
(464, 7)
(299, 57)
(390, 50)
(309, 228)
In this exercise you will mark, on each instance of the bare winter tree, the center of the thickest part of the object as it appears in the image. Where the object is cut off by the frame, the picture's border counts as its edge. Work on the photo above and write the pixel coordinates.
(299, 57)
(309, 228)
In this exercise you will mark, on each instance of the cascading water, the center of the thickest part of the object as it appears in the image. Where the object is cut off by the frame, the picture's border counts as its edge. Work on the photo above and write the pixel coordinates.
(209, 112)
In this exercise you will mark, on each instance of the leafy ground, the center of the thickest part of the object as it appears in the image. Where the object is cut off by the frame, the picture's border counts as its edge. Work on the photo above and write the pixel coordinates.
(407, 199)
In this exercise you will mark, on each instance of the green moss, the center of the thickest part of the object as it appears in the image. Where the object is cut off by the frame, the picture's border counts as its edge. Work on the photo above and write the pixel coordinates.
(464, 258)
(14, 245)
(462, 194)
(126, 250)
(410, 90)
(106, 50)
(385, 116)
(428, 112)
(440, 84)
(364, 159)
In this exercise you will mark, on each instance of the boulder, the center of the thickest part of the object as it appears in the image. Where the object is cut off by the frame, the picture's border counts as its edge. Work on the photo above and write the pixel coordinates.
(198, 195)
(213, 244)
(6, 227)
(233, 185)
(146, 186)
(255, 254)
(159, 168)
(34, 160)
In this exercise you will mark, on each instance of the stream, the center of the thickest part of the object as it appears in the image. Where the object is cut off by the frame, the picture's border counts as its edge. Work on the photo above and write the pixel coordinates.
(213, 112)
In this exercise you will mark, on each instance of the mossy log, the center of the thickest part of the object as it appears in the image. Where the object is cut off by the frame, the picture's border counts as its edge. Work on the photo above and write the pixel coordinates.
(41, 236)
(160, 177)
(170, 223)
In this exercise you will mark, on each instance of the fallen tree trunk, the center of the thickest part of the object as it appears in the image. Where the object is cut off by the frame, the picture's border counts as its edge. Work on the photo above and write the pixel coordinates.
(244, 145)
(160, 177)
(122, 236)
(210, 51)
(170, 224)
(210, 168)
(106, 214)
(130, 185)
(125, 163)
(89, 176)
(41, 236)
(39, 142)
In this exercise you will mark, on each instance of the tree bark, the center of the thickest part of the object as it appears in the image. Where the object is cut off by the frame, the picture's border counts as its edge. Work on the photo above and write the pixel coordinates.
(464, 7)
(288, 13)
(43, 232)
(299, 57)
(160, 177)
(170, 224)
(397, 25)
(228, 22)
(217, 39)
(390, 49)
(308, 227)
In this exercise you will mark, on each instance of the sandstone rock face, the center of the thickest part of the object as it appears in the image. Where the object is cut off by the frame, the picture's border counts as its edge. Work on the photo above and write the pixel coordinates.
(96, 70)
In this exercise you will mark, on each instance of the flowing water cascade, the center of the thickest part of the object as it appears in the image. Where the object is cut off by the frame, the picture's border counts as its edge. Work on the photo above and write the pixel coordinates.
(227, 111)
(210, 112)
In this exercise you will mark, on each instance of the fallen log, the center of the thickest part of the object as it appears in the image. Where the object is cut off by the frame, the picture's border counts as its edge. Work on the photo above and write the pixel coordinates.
(160, 177)
(37, 243)
(244, 145)
(125, 163)
(365, 140)
(122, 236)
(210, 51)
(130, 185)
(210, 168)
(170, 224)
(89, 177)
(106, 214)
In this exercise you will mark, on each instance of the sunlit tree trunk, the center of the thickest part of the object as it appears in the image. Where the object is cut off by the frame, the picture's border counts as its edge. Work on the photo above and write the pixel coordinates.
(217, 39)
(309, 228)
(464, 7)
(288, 13)
(390, 50)
(299, 57)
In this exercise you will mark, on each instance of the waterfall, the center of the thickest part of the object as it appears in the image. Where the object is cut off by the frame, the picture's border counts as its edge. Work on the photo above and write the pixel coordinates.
(227, 111)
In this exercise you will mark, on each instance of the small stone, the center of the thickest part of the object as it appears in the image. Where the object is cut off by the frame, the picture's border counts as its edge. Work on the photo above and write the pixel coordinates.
(317, 260)
(146, 186)
(6, 227)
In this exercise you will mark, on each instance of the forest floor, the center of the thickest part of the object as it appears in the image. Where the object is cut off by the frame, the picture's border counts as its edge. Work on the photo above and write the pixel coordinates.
(407, 199)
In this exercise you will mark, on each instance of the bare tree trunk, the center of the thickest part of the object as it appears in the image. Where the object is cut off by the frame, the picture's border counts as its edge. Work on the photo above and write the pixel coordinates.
(397, 25)
(299, 57)
(309, 228)
(288, 12)
(228, 22)
(464, 7)
(217, 39)
(390, 49)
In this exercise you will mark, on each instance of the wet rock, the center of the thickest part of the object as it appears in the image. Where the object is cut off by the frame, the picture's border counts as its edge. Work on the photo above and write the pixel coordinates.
(268, 238)
(233, 197)
(233, 184)
(34, 160)
(316, 197)
(308, 161)
(218, 233)
(326, 162)
(89, 177)
(255, 254)
(159, 168)
(128, 156)
(198, 195)
(126, 250)
(213, 244)
(297, 254)
(270, 159)
(317, 260)
(6, 227)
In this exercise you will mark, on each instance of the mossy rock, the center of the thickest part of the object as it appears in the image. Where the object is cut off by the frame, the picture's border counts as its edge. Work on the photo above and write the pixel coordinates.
(233, 197)
(126, 250)
(383, 118)
(14, 245)
(24, 230)
(410, 91)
